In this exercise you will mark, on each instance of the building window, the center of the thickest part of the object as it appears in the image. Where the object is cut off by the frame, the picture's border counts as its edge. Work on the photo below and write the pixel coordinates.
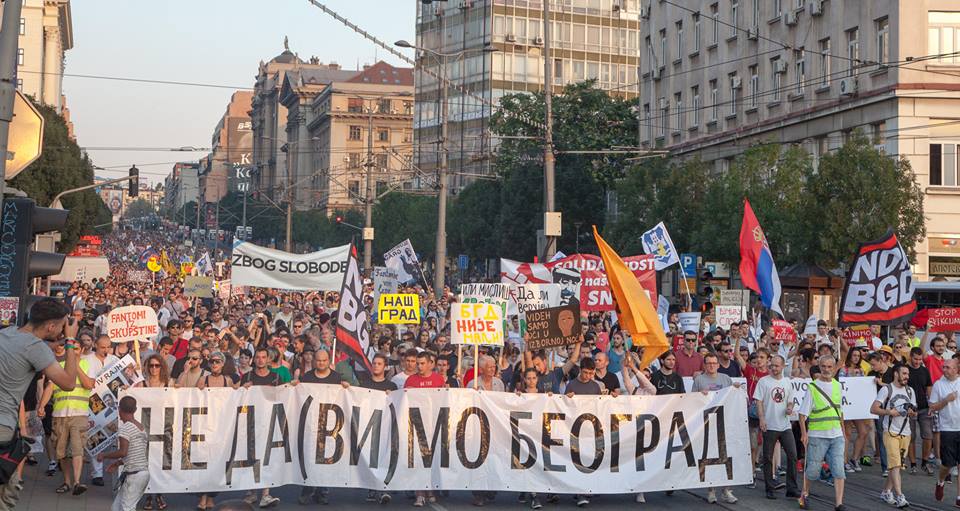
(20, 84)
(775, 77)
(355, 105)
(647, 121)
(380, 161)
(384, 106)
(353, 160)
(383, 135)
(825, 61)
(734, 89)
(755, 18)
(715, 22)
(664, 112)
(663, 47)
(734, 18)
(408, 107)
(355, 132)
(679, 39)
(23, 26)
(801, 68)
(696, 32)
(943, 164)
(777, 8)
(353, 189)
(878, 134)
(853, 49)
(943, 30)
(19, 56)
(754, 85)
(678, 111)
(883, 41)
(695, 108)
(714, 101)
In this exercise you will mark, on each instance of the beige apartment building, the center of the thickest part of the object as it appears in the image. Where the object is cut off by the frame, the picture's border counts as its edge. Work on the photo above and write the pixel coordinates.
(719, 75)
(590, 39)
(46, 33)
(360, 125)
(228, 166)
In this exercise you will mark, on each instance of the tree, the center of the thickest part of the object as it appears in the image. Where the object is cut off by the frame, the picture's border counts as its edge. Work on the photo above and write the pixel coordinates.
(62, 166)
(139, 209)
(398, 216)
(469, 227)
(856, 194)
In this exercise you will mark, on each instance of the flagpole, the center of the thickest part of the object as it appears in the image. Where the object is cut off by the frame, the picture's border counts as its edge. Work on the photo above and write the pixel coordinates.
(687, 286)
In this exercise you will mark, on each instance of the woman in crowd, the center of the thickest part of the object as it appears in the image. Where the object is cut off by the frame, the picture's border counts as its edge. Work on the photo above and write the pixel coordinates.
(158, 376)
(853, 367)
(214, 379)
(642, 387)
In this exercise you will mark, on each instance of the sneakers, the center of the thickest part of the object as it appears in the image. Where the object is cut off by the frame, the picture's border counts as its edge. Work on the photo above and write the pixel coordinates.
(887, 497)
(522, 498)
(250, 498)
(268, 501)
(640, 499)
(856, 466)
(771, 495)
(371, 496)
(927, 468)
(712, 496)
(886, 473)
(848, 467)
(804, 501)
(583, 501)
(535, 503)
(913, 469)
(419, 501)
(781, 471)
(779, 485)
(97, 481)
(938, 491)
(902, 501)
(841, 507)
(727, 497)
(385, 498)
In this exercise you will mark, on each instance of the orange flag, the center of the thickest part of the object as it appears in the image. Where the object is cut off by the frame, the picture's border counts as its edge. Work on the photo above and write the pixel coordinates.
(637, 315)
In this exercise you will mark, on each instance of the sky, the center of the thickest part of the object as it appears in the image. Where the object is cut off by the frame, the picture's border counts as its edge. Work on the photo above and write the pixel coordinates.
(217, 42)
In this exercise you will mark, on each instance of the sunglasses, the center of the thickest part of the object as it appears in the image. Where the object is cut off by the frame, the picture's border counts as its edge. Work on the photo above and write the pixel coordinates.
(728, 351)
(154, 366)
(194, 358)
(216, 361)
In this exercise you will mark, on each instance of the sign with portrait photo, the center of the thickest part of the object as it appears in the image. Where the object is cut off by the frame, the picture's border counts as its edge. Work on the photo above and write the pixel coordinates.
(553, 327)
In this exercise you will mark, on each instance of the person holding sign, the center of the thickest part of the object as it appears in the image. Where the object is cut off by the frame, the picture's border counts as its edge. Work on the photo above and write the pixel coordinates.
(425, 378)
(585, 385)
(132, 455)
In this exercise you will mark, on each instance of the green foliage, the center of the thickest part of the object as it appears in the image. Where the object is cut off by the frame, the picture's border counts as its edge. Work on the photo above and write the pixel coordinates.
(398, 216)
(469, 226)
(62, 166)
(139, 209)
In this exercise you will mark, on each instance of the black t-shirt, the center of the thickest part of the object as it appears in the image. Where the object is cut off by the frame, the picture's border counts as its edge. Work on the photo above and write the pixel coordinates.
(452, 382)
(270, 380)
(919, 381)
(368, 383)
(609, 381)
(887, 376)
(732, 370)
(311, 377)
(667, 383)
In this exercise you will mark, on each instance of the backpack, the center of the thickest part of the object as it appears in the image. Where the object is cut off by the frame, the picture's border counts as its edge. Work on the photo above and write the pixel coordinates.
(889, 387)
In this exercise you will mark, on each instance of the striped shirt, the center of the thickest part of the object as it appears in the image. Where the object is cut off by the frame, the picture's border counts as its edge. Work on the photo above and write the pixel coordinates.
(136, 458)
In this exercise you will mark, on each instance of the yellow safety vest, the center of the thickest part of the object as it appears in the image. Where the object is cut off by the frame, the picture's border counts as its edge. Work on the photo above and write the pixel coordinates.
(76, 401)
(823, 415)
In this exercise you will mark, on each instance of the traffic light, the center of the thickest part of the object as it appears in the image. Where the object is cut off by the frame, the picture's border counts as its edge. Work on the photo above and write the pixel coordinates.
(134, 184)
(339, 219)
(21, 221)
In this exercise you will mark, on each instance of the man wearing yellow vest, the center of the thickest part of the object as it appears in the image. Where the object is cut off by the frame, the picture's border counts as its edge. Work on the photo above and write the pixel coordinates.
(823, 436)
(70, 422)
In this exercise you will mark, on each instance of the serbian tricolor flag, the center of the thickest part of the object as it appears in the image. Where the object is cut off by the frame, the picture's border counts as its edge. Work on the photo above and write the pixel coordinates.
(757, 269)
(353, 322)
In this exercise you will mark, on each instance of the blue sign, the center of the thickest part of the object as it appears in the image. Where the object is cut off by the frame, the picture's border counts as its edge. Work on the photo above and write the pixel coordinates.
(688, 263)
(463, 261)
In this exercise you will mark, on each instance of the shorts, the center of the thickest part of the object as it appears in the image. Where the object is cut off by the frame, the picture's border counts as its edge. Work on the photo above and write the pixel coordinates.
(68, 432)
(935, 424)
(922, 424)
(950, 448)
(896, 446)
(824, 449)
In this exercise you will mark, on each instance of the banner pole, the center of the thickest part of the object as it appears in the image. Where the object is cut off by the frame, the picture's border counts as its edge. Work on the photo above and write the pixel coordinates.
(333, 355)
(459, 361)
(136, 350)
(687, 286)
(476, 366)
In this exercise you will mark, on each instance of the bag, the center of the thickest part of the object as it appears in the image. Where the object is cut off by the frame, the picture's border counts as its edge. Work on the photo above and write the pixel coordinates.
(752, 409)
(12, 454)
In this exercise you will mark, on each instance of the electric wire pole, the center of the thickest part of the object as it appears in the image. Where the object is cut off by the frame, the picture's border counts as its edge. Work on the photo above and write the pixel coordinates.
(548, 158)
(9, 41)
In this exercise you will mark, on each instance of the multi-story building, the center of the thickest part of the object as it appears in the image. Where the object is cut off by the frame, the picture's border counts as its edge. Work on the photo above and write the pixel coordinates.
(182, 186)
(719, 75)
(117, 197)
(359, 125)
(269, 116)
(46, 33)
(590, 39)
(228, 166)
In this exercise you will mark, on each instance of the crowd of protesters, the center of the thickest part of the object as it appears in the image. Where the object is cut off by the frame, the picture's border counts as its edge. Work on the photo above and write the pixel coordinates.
(267, 337)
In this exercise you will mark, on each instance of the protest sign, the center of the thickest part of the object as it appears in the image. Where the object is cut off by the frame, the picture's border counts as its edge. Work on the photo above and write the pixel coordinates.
(139, 276)
(257, 266)
(224, 288)
(216, 438)
(198, 287)
(782, 331)
(103, 403)
(879, 285)
(524, 297)
(581, 277)
(487, 293)
(857, 335)
(398, 309)
(403, 260)
(945, 320)
(9, 306)
(132, 323)
(553, 327)
(153, 264)
(477, 323)
(689, 321)
(739, 297)
(728, 314)
(385, 280)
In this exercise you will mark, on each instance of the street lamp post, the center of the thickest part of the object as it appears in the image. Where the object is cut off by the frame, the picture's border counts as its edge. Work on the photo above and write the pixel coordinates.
(440, 270)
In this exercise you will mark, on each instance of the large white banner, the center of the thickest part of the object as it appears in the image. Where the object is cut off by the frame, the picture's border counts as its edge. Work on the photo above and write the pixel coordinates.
(452, 439)
(253, 265)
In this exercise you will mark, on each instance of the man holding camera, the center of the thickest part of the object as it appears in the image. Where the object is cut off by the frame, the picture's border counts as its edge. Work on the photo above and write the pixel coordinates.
(895, 405)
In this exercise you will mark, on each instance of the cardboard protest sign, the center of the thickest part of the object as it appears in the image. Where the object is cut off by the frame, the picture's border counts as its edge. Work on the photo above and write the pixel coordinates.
(857, 335)
(487, 293)
(103, 403)
(552, 327)
(398, 309)
(132, 323)
(403, 259)
(385, 280)
(945, 320)
(477, 323)
(224, 288)
(728, 314)
(198, 286)
(740, 297)
(782, 331)
(525, 297)
(879, 286)
(689, 321)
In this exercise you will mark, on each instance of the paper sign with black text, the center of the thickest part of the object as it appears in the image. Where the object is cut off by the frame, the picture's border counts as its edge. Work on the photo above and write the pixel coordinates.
(398, 309)
(728, 314)
(556, 326)
(476, 323)
(132, 323)
(197, 286)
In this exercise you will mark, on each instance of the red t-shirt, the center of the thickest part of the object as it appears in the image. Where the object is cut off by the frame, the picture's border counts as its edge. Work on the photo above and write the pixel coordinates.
(935, 366)
(753, 375)
(180, 348)
(687, 366)
(415, 381)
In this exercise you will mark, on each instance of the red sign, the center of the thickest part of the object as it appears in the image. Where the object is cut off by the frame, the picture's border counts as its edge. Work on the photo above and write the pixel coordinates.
(857, 333)
(782, 331)
(88, 246)
(945, 320)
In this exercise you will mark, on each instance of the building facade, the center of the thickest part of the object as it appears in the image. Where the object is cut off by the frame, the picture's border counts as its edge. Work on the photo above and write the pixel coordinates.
(181, 186)
(46, 33)
(117, 197)
(720, 75)
(360, 125)
(228, 166)
(590, 39)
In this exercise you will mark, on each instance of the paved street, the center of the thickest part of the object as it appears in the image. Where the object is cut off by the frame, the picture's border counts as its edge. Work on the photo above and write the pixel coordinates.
(861, 495)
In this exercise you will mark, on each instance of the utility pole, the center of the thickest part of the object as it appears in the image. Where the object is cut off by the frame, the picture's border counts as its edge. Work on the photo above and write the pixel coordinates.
(440, 270)
(548, 158)
(9, 41)
(368, 200)
(289, 244)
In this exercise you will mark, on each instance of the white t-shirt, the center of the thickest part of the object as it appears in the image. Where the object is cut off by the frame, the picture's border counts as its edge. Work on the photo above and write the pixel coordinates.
(950, 415)
(892, 397)
(400, 379)
(775, 395)
(807, 404)
(95, 367)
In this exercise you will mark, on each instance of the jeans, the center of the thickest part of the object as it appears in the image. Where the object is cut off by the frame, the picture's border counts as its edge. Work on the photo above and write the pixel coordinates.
(785, 438)
(881, 449)
(830, 450)
(10, 492)
(130, 491)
